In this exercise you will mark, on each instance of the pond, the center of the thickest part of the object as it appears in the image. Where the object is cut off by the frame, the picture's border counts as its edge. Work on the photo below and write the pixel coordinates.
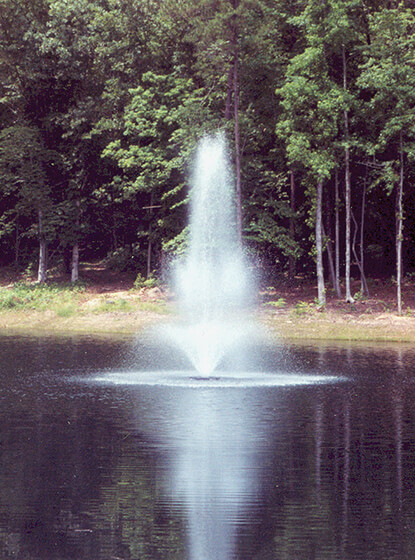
(110, 449)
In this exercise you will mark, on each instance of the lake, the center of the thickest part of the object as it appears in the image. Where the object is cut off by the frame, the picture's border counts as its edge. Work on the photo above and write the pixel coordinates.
(111, 448)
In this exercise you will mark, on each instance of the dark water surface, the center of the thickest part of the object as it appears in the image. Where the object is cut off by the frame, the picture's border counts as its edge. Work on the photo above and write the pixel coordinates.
(308, 452)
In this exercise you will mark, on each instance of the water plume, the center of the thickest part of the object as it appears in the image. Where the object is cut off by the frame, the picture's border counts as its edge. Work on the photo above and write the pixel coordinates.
(212, 281)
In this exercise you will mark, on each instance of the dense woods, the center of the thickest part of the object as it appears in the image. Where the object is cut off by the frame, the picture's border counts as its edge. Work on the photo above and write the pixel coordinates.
(103, 101)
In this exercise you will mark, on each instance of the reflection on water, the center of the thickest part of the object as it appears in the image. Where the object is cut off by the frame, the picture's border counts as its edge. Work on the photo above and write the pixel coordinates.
(213, 469)
(221, 469)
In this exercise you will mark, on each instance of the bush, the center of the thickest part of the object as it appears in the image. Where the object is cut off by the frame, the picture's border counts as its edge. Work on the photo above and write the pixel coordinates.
(279, 303)
(303, 308)
(142, 282)
(38, 296)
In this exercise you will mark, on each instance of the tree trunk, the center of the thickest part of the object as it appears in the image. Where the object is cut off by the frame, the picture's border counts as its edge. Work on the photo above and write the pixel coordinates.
(150, 245)
(330, 259)
(334, 278)
(399, 232)
(337, 232)
(365, 287)
(291, 259)
(363, 283)
(235, 72)
(349, 297)
(17, 245)
(319, 246)
(228, 105)
(75, 247)
(237, 148)
(41, 275)
(75, 262)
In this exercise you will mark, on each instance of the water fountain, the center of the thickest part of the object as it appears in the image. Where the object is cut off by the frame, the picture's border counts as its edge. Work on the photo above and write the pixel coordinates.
(214, 292)
(212, 282)
(214, 458)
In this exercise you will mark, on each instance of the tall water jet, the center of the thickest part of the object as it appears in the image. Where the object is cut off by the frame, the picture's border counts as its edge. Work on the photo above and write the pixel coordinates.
(212, 281)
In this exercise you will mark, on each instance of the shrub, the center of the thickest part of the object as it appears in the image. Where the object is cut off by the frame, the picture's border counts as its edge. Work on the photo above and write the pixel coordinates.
(142, 282)
(303, 308)
(38, 296)
(279, 303)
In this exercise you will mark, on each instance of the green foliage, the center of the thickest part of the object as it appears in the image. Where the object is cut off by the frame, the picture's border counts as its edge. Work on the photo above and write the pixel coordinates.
(387, 79)
(142, 282)
(304, 308)
(119, 259)
(123, 258)
(67, 310)
(102, 103)
(40, 297)
(159, 307)
(114, 306)
(278, 304)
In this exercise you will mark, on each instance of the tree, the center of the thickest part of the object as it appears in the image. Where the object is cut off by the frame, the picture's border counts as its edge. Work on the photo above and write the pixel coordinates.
(24, 163)
(309, 125)
(388, 79)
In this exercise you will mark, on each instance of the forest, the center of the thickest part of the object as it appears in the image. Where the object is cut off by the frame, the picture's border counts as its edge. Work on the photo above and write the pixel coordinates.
(102, 103)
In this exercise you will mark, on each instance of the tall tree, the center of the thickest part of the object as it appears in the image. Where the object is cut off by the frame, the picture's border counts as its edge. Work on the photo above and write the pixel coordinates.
(388, 79)
(309, 126)
(24, 163)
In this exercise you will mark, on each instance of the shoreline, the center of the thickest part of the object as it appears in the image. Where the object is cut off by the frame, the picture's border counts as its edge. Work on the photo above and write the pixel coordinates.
(283, 325)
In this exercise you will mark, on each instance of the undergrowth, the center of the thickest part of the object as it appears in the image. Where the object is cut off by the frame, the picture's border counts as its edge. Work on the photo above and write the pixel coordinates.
(41, 297)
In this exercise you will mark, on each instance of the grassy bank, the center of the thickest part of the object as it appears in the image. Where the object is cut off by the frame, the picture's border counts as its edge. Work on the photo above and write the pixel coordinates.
(376, 327)
(60, 309)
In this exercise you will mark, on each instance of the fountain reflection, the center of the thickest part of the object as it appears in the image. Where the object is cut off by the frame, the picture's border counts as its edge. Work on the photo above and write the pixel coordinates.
(215, 445)
(214, 469)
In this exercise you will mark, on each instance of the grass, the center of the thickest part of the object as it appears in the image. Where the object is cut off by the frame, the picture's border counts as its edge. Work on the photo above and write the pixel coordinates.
(314, 325)
(159, 307)
(68, 308)
(114, 305)
(40, 297)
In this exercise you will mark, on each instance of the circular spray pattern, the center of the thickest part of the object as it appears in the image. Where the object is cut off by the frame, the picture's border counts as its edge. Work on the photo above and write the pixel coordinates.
(218, 379)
